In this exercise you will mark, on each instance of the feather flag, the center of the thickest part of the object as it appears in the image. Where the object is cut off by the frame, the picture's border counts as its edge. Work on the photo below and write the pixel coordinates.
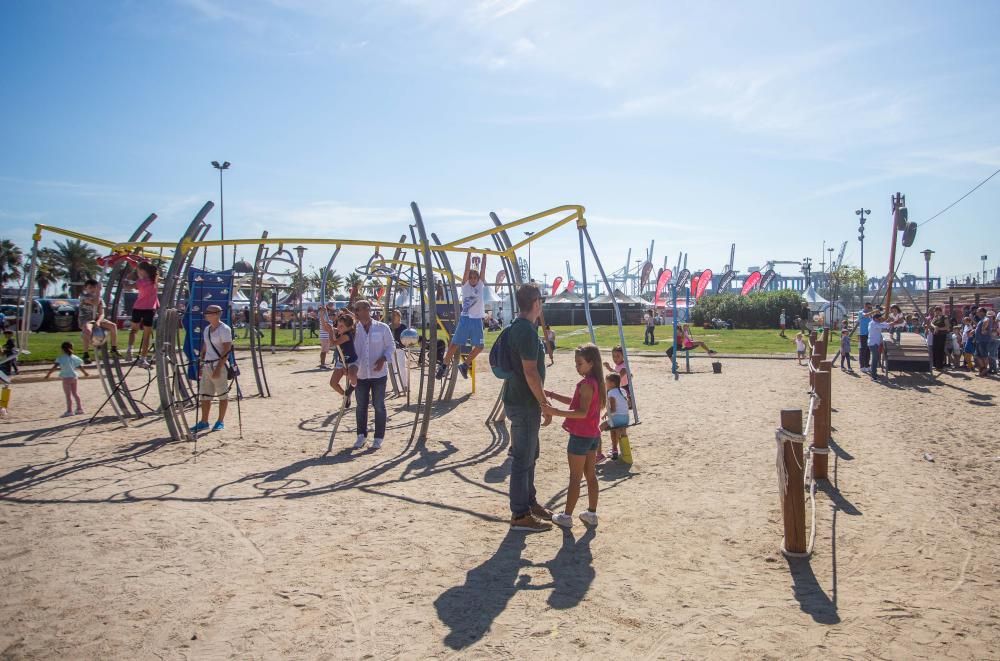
(661, 283)
(725, 281)
(570, 286)
(647, 268)
(694, 284)
(752, 281)
(555, 286)
(704, 280)
(767, 279)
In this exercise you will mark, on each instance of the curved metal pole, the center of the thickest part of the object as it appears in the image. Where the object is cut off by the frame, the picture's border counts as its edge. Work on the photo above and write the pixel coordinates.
(428, 402)
(165, 372)
(256, 353)
(586, 294)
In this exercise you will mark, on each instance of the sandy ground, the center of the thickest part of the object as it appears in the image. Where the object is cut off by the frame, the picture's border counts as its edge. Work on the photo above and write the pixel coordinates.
(123, 545)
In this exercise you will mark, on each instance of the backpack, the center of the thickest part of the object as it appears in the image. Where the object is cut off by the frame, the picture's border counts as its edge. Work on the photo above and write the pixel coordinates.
(501, 357)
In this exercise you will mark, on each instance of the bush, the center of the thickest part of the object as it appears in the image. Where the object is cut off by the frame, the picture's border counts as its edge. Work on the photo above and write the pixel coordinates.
(757, 310)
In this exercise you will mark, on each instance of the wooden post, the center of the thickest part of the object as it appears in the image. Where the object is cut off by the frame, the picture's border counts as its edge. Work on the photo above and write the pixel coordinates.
(821, 343)
(814, 361)
(793, 504)
(822, 420)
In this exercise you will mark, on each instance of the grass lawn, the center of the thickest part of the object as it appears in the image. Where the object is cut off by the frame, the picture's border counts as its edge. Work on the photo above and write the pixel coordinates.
(45, 346)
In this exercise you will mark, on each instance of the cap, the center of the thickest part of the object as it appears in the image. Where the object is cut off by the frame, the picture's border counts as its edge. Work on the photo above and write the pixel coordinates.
(213, 308)
(877, 315)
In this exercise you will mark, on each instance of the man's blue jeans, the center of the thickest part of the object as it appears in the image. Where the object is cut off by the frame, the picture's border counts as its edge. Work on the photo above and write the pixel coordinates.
(371, 390)
(876, 358)
(524, 424)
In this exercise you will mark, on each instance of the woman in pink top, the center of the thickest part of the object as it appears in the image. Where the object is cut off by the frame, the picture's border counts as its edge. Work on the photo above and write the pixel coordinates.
(583, 422)
(144, 310)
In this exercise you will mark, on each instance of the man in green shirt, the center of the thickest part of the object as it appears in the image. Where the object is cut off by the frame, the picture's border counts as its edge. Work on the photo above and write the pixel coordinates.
(523, 399)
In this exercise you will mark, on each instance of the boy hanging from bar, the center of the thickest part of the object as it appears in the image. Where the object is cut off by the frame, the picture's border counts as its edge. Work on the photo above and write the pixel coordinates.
(469, 329)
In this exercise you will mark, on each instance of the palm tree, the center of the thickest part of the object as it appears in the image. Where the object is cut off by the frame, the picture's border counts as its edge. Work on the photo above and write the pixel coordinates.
(11, 260)
(354, 280)
(334, 281)
(78, 261)
(48, 270)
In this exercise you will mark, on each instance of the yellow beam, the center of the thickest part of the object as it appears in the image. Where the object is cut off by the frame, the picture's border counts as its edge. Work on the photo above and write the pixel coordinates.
(575, 209)
(305, 241)
(79, 236)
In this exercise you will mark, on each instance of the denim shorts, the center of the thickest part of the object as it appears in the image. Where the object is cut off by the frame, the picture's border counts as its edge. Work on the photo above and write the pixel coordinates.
(581, 445)
(618, 420)
(468, 331)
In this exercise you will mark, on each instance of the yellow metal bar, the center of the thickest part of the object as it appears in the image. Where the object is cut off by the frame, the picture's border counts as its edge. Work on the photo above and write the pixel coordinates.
(79, 236)
(576, 209)
(540, 233)
(306, 241)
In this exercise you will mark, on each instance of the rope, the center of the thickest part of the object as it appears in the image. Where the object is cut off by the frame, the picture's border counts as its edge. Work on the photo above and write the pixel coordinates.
(780, 436)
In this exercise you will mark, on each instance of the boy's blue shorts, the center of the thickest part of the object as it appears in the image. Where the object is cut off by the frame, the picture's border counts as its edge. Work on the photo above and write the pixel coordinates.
(468, 331)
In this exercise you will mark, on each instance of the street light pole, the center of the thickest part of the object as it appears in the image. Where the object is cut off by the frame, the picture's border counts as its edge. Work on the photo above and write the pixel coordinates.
(862, 212)
(529, 235)
(984, 258)
(927, 277)
(300, 251)
(222, 216)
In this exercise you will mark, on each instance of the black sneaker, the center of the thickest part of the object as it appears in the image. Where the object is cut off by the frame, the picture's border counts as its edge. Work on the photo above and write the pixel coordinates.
(86, 358)
(464, 369)
(442, 368)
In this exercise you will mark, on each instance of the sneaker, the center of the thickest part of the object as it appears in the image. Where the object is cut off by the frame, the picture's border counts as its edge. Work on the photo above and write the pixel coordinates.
(218, 426)
(588, 517)
(464, 369)
(67, 414)
(79, 411)
(377, 443)
(563, 519)
(128, 354)
(529, 523)
(866, 370)
(601, 458)
(86, 358)
(114, 351)
(541, 512)
(614, 455)
(442, 368)
(360, 443)
(201, 426)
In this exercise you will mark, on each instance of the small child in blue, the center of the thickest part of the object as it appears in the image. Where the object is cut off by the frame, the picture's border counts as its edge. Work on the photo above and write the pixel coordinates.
(617, 413)
(845, 350)
(343, 339)
(68, 363)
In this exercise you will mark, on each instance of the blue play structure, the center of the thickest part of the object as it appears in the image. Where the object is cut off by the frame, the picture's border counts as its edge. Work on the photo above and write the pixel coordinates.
(204, 288)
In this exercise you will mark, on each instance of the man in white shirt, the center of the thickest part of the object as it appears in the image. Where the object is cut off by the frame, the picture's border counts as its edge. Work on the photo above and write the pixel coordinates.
(216, 345)
(469, 329)
(374, 345)
(875, 329)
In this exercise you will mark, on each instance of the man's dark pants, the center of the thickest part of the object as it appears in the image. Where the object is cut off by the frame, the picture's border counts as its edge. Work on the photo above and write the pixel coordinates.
(371, 390)
(649, 335)
(525, 421)
(864, 353)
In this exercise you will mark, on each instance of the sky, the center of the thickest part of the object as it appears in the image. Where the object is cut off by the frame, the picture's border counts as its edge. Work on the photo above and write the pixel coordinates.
(692, 124)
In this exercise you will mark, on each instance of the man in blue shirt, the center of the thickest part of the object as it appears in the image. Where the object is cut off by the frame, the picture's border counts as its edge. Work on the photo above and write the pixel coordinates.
(864, 319)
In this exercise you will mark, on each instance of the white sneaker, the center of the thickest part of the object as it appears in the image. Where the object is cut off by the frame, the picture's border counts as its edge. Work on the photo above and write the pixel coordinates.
(360, 443)
(588, 517)
(67, 414)
(563, 519)
(128, 355)
(377, 443)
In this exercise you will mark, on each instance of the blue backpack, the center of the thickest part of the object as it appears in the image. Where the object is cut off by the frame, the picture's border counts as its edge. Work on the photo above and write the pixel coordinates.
(501, 357)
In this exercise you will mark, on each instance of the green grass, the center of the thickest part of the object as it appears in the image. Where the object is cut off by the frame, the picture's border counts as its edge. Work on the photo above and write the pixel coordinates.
(45, 346)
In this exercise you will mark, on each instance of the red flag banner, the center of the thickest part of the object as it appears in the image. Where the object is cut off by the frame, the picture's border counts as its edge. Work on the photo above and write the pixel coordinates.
(647, 268)
(555, 286)
(694, 284)
(501, 279)
(704, 280)
(570, 286)
(661, 283)
(752, 281)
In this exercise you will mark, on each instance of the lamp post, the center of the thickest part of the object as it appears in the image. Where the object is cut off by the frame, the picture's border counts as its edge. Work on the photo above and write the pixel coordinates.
(807, 269)
(984, 258)
(927, 277)
(222, 216)
(301, 250)
(861, 213)
(529, 235)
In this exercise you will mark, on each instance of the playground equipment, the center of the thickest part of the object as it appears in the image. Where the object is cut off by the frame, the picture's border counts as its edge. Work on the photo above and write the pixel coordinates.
(795, 464)
(426, 275)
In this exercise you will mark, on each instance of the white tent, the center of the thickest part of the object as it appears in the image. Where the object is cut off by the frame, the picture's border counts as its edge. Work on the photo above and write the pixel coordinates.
(832, 312)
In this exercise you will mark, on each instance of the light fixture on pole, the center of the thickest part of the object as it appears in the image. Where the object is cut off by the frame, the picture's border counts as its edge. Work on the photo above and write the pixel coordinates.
(927, 277)
(862, 212)
(807, 269)
(529, 235)
(984, 258)
(300, 251)
(222, 216)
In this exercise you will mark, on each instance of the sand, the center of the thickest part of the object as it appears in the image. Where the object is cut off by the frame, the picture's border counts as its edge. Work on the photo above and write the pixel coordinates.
(122, 545)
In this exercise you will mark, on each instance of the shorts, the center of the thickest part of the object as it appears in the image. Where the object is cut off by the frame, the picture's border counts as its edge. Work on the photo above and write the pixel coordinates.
(983, 350)
(324, 343)
(618, 420)
(581, 445)
(208, 386)
(338, 364)
(143, 316)
(86, 316)
(801, 354)
(468, 331)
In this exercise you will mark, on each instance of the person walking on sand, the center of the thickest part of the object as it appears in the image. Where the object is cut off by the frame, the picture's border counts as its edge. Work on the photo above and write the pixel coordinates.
(68, 363)
(523, 399)
(374, 346)
(216, 345)
(650, 329)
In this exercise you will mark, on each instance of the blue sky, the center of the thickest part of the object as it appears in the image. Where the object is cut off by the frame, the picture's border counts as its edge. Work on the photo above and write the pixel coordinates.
(695, 124)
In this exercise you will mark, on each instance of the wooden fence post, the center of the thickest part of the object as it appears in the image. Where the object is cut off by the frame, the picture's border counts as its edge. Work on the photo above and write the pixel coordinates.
(814, 361)
(822, 421)
(793, 502)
